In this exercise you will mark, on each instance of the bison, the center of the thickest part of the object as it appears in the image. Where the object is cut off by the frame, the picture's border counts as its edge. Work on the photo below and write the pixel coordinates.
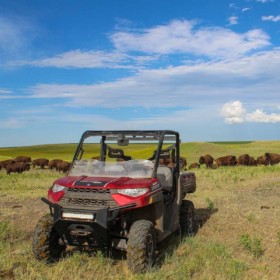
(63, 166)
(42, 162)
(23, 159)
(243, 159)
(53, 163)
(262, 160)
(272, 158)
(4, 163)
(226, 161)
(252, 161)
(194, 165)
(207, 160)
(17, 167)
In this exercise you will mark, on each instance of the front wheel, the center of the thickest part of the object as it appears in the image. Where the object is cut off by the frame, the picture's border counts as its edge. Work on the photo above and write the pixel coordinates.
(45, 244)
(141, 246)
(187, 220)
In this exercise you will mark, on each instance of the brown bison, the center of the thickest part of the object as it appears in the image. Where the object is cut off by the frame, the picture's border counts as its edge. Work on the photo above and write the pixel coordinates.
(194, 165)
(252, 161)
(262, 160)
(53, 163)
(207, 160)
(63, 166)
(23, 159)
(170, 162)
(42, 162)
(6, 162)
(243, 160)
(226, 161)
(17, 167)
(272, 158)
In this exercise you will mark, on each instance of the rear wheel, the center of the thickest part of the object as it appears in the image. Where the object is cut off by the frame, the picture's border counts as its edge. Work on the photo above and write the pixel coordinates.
(141, 246)
(187, 220)
(45, 244)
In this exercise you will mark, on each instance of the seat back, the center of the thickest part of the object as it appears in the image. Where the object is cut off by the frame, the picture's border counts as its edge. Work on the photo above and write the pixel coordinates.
(165, 177)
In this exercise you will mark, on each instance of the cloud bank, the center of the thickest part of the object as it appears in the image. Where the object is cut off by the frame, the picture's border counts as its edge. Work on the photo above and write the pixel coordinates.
(234, 113)
(134, 48)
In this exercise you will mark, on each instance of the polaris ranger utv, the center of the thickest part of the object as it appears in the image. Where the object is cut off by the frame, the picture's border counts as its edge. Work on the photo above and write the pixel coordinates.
(124, 190)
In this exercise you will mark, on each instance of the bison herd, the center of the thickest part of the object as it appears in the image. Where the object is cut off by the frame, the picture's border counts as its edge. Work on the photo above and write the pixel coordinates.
(24, 163)
(246, 160)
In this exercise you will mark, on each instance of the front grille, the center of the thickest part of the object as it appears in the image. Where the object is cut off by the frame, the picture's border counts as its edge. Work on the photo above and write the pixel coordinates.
(87, 190)
(87, 198)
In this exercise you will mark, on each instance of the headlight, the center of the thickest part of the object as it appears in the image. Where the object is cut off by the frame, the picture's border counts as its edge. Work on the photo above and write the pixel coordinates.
(57, 188)
(132, 192)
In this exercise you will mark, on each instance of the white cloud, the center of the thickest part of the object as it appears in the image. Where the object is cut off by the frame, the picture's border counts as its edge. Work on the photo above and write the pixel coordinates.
(260, 116)
(233, 6)
(79, 59)
(187, 85)
(233, 20)
(183, 37)
(5, 91)
(177, 37)
(89, 59)
(245, 9)
(271, 18)
(15, 35)
(234, 113)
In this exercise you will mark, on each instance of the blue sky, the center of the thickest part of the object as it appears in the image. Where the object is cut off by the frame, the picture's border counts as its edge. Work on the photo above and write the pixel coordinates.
(208, 69)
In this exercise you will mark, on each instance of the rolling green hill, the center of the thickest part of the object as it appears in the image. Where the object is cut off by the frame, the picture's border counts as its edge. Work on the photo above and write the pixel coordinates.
(191, 150)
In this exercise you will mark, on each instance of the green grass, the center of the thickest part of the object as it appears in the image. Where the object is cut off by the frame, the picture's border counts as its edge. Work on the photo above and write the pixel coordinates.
(191, 150)
(252, 245)
(51, 151)
(239, 240)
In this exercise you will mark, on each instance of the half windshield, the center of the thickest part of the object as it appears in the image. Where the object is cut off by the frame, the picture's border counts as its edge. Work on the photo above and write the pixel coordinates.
(121, 154)
(130, 168)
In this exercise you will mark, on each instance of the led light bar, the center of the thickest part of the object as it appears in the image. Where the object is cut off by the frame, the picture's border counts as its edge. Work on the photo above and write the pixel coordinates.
(80, 216)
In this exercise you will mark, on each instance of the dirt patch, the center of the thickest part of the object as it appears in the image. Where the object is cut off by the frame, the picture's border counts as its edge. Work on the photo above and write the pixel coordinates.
(22, 212)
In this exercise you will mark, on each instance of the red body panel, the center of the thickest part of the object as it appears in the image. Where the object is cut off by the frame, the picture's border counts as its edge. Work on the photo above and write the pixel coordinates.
(108, 183)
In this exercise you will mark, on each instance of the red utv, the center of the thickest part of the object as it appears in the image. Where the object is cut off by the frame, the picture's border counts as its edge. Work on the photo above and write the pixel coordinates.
(124, 190)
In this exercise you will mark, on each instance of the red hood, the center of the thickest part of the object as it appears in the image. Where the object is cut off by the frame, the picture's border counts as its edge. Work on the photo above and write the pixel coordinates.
(104, 182)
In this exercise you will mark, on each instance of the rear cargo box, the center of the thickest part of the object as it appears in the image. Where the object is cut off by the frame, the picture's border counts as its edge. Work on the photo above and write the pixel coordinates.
(188, 182)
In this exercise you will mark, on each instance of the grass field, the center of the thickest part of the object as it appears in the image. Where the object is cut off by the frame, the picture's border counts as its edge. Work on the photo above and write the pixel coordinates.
(191, 150)
(237, 211)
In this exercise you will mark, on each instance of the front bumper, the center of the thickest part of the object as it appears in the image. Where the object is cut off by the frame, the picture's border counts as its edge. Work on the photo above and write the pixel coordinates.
(78, 227)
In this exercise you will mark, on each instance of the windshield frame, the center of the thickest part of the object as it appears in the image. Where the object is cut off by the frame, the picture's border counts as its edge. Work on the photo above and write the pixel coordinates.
(123, 138)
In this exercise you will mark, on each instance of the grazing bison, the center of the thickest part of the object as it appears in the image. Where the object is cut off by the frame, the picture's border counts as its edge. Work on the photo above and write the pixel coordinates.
(226, 161)
(17, 167)
(4, 163)
(272, 158)
(262, 160)
(243, 159)
(207, 160)
(252, 161)
(42, 162)
(194, 165)
(53, 163)
(63, 166)
(23, 159)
